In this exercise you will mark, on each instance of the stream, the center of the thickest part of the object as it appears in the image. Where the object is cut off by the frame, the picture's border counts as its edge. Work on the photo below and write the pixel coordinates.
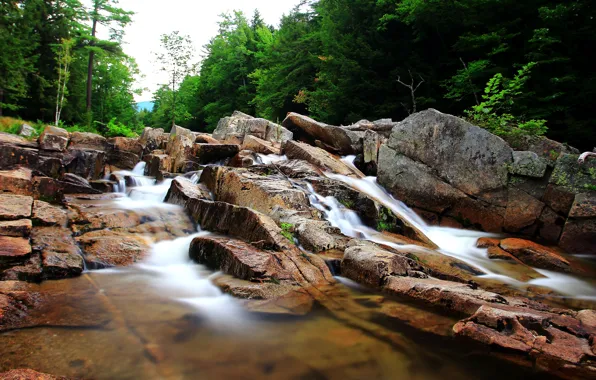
(165, 318)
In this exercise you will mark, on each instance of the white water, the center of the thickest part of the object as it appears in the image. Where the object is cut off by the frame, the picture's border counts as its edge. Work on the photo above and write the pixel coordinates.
(268, 159)
(459, 244)
(168, 269)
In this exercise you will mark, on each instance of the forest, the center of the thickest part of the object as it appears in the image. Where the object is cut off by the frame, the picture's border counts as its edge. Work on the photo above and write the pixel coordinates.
(509, 66)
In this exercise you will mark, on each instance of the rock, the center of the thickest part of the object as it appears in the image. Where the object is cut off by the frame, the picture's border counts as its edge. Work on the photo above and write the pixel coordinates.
(157, 165)
(205, 138)
(382, 127)
(578, 236)
(86, 163)
(54, 139)
(258, 145)
(552, 342)
(371, 145)
(573, 177)
(15, 206)
(550, 225)
(16, 228)
(61, 257)
(30, 270)
(486, 242)
(237, 258)
(244, 223)
(542, 146)
(179, 131)
(103, 185)
(27, 374)
(368, 264)
(528, 164)
(110, 248)
(535, 255)
(209, 153)
(319, 158)
(151, 139)
(335, 139)
(47, 214)
(415, 183)
(250, 189)
(73, 184)
(496, 253)
(244, 159)
(14, 250)
(124, 152)
(180, 150)
(7, 139)
(16, 181)
(467, 157)
(47, 188)
(584, 206)
(522, 210)
(182, 190)
(12, 155)
(234, 129)
(26, 130)
(559, 199)
(88, 141)
(298, 169)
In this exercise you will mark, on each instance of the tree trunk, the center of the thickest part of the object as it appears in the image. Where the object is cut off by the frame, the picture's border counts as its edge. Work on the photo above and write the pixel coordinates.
(91, 57)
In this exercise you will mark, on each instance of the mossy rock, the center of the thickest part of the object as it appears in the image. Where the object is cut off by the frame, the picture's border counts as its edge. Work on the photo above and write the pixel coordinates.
(572, 176)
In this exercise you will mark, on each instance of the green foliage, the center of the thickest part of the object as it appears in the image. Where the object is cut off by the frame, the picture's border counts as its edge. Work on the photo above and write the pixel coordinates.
(114, 129)
(386, 221)
(499, 98)
(287, 230)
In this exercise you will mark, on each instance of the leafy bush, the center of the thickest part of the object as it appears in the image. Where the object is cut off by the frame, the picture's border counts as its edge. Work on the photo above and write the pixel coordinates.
(494, 112)
(115, 129)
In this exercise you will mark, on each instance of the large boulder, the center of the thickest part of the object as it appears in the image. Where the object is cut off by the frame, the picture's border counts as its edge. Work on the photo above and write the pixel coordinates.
(180, 149)
(335, 139)
(17, 181)
(152, 138)
(258, 145)
(320, 158)
(124, 153)
(85, 140)
(209, 153)
(86, 163)
(54, 139)
(61, 256)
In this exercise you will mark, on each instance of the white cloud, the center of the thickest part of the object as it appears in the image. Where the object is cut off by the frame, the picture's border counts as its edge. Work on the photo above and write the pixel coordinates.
(196, 18)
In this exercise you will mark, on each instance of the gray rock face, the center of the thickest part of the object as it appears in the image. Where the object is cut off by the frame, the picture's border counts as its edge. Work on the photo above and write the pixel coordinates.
(54, 139)
(234, 129)
(528, 164)
(467, 157)
(26, 130)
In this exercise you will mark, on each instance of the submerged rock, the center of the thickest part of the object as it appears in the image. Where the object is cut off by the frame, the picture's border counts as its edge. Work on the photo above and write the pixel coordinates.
(111, 248)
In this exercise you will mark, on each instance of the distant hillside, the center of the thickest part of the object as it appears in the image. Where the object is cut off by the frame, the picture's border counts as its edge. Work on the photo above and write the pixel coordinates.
(147, 106)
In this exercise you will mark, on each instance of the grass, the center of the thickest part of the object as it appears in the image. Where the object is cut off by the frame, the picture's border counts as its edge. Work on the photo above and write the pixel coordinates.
(112, 129)
(287, 231)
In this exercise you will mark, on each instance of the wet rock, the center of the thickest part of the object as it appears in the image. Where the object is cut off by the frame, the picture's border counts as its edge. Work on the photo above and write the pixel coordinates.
(182, 190)
(54, 139)
(30, 270)
(536, 255)
(466, 157)
(157, 165)
(368, 264)
(47, 188)
(298, 169)
(208, 153)
(335, 139)
(258, 145)
(234, 129)
(548, 341)
(478, 214)
(249, 189)
(14, 250)
(496, 253)
(244, 159)
(237, 258)
(15, 206)
(528, 164)
(17, 181)
(151, 139)
(16, 228)
(124, 152)
(74, 184)
(47, 214)
(85, 162)
(371, 145)
(60, 255)
(84, 141)
(12, 155)
(103, 185)
(111, 248)
(28, 374)
(319, 158)
(578, 236)
(486, 242)
(382, 127)
(522, 210)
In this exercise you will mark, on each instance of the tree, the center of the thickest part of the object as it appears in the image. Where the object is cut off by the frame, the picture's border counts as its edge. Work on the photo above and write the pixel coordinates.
(64, 60)
(104, 12)
(175, 60)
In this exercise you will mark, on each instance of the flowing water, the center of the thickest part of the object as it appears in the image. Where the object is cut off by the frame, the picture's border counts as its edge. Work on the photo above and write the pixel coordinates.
(165, 319)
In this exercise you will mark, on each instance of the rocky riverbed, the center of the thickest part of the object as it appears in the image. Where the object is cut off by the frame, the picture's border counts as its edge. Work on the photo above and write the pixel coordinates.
(445, 235)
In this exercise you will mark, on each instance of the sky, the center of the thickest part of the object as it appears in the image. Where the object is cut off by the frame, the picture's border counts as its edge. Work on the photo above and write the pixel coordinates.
(196, 18)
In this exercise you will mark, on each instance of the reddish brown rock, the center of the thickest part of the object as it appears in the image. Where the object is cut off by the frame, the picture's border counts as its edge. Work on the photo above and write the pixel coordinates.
(86, 163)
(15, 206)
(14, 250)
(205, 138)
(496, 253)
(47, 188)
(550, 225)
(30, 270)
(258, 145)
(486, 242)
(535, 255)
(522, 210)
(27, 374)
(559, 199)
(16, 228)
(47, 214)
(182, 190)
(584, 206)
(579, 236)
(152, 138)
(238, 258)
(244, 159)
(10, 139)
(124, 152)
(54, 139)
(17, 181)
(84, 140)
(109, 248)
(60, 255)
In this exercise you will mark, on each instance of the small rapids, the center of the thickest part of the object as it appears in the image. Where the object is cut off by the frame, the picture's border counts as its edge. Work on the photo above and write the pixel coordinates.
(459, 244)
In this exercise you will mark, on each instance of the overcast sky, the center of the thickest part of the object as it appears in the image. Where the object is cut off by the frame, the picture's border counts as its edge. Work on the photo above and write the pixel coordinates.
(197, 18)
